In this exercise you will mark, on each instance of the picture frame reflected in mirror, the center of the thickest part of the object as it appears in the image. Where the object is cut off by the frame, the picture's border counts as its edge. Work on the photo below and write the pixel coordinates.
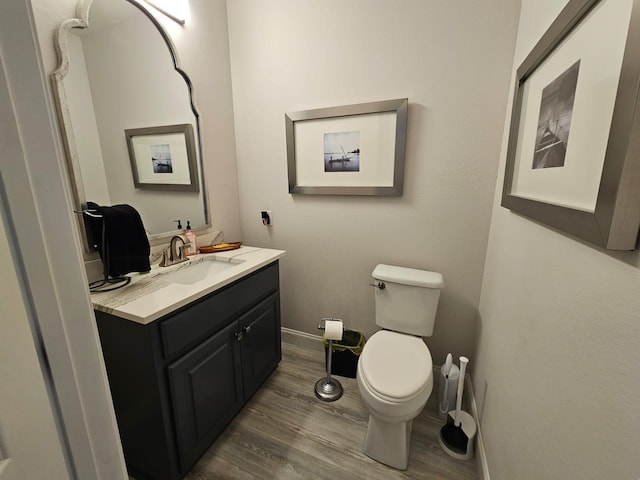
(163, 157)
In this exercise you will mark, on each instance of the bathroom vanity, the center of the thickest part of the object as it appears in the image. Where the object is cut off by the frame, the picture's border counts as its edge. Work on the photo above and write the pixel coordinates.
(185, 349)
(185, 346)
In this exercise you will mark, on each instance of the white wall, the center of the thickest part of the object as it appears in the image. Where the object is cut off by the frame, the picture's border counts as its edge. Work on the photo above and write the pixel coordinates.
(452, 60)
(556, 374)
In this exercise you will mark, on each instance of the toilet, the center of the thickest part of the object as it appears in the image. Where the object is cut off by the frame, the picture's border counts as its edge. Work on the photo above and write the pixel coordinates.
(395, 370)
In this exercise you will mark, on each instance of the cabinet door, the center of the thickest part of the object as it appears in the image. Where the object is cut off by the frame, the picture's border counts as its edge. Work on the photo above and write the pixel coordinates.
(206, 393)
(260, 346)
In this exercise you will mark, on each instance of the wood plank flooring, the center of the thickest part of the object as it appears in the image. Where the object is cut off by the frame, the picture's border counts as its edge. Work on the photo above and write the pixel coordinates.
(285, 432)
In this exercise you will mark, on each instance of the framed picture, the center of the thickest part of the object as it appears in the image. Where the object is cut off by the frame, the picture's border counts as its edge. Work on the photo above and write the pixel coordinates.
(573, 157)
(347, 150)
(163, 158)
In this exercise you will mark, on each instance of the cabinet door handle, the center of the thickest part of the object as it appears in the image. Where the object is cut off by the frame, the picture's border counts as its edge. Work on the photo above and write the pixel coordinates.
(247, 329)
(239, 336)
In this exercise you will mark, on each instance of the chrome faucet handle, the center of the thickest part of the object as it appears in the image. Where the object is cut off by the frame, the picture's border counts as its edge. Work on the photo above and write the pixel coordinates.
(155, 257)
(166, 257)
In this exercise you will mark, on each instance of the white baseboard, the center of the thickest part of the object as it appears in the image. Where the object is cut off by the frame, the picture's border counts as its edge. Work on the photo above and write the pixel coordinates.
(481, 453)
(302, 339)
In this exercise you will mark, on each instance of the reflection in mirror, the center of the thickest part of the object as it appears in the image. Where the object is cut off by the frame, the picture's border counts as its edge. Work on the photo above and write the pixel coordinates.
(119, 71)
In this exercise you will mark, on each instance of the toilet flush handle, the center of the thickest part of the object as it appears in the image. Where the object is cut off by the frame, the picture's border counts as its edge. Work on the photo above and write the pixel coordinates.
(379, 285)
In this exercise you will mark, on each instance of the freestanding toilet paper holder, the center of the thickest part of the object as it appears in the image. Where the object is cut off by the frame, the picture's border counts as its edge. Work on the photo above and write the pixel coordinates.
(328, 389)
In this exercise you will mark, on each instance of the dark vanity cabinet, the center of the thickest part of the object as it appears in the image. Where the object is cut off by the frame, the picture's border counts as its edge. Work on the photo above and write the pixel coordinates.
(177, 382)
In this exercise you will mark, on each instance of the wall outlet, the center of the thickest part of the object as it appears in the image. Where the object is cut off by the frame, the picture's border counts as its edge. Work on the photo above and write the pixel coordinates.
(267, 217)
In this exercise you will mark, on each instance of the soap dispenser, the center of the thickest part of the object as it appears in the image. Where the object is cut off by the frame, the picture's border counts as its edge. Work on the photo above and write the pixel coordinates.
(192, 248)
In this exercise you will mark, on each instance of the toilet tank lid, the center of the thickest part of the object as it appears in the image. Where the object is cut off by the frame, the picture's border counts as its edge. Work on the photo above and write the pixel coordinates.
(408, 276)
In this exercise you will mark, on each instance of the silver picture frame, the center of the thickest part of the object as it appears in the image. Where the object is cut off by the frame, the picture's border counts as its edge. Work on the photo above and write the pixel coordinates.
(311, 166)
(176, 171)
(613, 221)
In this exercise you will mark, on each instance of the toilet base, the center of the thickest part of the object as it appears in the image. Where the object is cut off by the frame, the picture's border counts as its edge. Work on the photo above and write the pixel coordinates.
(388, 443)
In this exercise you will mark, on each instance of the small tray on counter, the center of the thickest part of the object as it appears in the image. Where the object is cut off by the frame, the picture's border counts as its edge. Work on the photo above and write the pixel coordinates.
(220, 247)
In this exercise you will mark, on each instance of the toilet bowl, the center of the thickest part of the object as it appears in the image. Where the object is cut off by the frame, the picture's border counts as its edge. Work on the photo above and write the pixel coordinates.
(395, 379)
(395, 375)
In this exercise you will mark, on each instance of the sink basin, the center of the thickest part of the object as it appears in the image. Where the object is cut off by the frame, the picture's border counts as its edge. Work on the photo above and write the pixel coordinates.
(197, 272)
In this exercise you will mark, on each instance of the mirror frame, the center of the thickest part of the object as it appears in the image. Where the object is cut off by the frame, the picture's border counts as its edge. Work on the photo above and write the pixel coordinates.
(64, 119)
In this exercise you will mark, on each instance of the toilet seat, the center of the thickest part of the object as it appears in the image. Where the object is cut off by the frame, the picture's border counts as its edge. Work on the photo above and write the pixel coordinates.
(395, 367)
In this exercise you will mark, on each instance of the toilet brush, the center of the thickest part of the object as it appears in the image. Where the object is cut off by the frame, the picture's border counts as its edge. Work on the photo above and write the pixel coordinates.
(456, 436)
(444, 403)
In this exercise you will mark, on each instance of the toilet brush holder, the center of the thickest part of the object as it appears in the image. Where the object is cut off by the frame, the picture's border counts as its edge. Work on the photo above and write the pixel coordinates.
(329, 389)
(458, 433)
(468, 427)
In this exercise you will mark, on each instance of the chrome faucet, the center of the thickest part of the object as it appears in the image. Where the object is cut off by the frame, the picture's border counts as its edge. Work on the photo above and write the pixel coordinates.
(173, 253)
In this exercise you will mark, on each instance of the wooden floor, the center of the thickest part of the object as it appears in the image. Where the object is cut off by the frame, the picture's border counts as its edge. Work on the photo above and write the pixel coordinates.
(285, 432)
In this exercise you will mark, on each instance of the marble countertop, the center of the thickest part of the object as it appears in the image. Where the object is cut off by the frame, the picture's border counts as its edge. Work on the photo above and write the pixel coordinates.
(152, 295)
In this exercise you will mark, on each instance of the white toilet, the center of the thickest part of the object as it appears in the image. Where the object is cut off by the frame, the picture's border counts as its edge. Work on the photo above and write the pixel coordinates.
(395, 371)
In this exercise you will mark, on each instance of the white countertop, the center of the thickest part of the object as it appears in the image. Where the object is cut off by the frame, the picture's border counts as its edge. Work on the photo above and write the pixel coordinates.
(150, 296)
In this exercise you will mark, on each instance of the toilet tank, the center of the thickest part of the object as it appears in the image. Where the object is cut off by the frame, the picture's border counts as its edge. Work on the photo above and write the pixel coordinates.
(409, 299)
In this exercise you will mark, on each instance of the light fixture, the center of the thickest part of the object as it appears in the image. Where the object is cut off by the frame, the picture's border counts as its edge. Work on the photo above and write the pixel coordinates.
(176, 10)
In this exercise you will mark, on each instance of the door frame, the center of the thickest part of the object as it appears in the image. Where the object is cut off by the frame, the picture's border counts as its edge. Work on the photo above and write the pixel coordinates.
(50, 255)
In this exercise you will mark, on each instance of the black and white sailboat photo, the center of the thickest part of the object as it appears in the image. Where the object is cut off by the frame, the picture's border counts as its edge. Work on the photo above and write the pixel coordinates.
(554, 122)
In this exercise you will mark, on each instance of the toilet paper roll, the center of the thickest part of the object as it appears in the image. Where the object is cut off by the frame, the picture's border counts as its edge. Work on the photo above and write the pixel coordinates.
(333, 330)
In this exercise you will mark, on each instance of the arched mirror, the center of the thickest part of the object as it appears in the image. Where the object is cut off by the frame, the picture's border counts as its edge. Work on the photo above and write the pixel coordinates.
(130, 126)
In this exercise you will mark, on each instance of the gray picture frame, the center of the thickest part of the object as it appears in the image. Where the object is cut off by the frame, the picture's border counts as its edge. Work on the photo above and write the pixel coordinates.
(187, 161)
(398, 107)
(614, 222)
